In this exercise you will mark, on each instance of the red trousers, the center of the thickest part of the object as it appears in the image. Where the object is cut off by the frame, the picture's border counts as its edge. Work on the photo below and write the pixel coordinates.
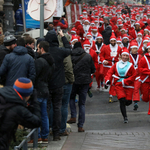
(136, 92)
(123, 92)
(145, 89)
(99, 74)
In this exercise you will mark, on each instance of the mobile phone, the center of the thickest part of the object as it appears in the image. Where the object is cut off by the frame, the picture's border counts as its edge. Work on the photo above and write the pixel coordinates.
(58, 29)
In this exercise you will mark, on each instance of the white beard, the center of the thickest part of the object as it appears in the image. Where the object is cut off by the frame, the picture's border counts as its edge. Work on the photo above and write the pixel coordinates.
(139, 39)
(87, 50)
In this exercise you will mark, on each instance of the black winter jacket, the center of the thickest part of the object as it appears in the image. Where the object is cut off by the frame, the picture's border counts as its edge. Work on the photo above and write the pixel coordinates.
(84, 68)
(18, 114)
(107, 34)
(30, 52)
(18, 64)
(44, 66)
(58, 54)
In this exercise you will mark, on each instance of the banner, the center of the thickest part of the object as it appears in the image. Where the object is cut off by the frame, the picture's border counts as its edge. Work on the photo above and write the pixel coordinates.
(59, 9)
(30, 23)
(73, 13)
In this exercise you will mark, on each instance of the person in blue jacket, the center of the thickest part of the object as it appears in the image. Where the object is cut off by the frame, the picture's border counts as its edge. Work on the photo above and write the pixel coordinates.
(19, 19)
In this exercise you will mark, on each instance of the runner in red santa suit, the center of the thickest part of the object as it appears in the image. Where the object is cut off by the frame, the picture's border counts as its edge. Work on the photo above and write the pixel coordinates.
(86, 27)
(73, 40)
(98, 46)
(90, 38)
(73, 33)
(144, 70)
(125, 41)
(94, 33)
(108, 56)
(122, 76)
(89, 50)
(135, 59)
(144, 47)
(133, 33)
(119, 42)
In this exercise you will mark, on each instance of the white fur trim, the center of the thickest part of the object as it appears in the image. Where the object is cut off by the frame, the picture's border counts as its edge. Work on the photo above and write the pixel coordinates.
(134, 46)
(125, 38)
(74, 40)
(125, 53)
(86, 45)
(148, 47)
(112, 39)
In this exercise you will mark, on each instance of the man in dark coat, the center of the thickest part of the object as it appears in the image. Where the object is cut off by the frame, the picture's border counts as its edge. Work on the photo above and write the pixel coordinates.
(106, 33)
(20, 112)
(18, 64)
(58, 77)
(83, 68)
(44, 65)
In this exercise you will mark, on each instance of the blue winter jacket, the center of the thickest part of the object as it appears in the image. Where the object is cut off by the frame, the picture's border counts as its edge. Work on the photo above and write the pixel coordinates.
(19, 17)
(18, 64)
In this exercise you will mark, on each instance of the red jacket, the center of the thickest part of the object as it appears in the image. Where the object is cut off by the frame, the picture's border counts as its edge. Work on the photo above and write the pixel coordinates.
(58, 23)
(107, 55)
(144, 68)
(94, 57)
(113, 75)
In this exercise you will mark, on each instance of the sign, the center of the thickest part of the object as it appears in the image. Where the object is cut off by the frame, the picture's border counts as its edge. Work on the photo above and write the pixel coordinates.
(34, 9)
(73, 13)
(30, 22)
(59, 9)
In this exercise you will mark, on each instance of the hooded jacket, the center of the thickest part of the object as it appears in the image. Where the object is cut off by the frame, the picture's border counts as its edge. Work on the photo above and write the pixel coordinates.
(18, 64)
(18, 114)
(58, 54)
(84, 68)
(44, 66)
(30, 51)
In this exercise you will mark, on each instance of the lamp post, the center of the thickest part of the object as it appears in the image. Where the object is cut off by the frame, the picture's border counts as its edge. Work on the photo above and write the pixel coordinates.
(41, 18)
(8, 21)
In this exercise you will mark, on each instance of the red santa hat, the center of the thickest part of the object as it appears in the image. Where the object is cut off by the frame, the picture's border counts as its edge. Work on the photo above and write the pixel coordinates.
(146, 39)
(97, 14)
(120, 23)
(86, 20)
(146, 29)
(113, 37)
(148, 12)
(99, 36)
(84, 12)
(73, 30)
(118, 11)
(86, 43)
(73, 38)
(134, 45)
(137, 23)
(123, 29)
(144, 20)
(96, 20)
(125, 51)
(139, 33)
(133, 18)
(89, 34)
(94, 28)
(101, 20)
(125, 36)
(81, 16)
(92, 22)
(119, 40)
(148, 45)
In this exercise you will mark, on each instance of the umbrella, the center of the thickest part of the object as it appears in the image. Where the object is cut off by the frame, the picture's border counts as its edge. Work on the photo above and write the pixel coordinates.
(35, 33)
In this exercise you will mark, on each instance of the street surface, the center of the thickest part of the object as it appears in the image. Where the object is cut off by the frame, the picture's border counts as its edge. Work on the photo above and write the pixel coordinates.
(104, 127)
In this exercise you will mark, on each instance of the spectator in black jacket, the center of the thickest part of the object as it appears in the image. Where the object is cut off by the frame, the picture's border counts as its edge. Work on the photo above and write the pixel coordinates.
(44, 65)
(18, 64)
(106, 33)
(83, 68)
(58, 77)
(20, 112)
(30, 45)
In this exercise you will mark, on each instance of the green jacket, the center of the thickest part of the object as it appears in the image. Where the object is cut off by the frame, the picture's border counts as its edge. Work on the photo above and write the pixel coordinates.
(69, 76)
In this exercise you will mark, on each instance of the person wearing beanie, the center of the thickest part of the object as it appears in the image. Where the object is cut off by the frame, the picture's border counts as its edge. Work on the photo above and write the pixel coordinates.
(19, 99)
(122, 75)
(8, 46)
(135, 59)
(17, 64)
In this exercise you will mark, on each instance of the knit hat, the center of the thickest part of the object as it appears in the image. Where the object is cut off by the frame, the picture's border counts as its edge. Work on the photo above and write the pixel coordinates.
(125, 51)
(23, 86)
(9, 40)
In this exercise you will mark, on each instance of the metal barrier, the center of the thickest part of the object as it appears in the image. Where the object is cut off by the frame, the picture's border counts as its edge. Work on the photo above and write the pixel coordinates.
(24, 143)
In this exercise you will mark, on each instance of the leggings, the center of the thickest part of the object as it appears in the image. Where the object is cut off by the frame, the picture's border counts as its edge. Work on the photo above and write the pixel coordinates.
(123, 104)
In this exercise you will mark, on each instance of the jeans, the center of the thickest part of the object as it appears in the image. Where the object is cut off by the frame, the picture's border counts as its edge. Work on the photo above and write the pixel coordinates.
(64, 109)
(81, 90)
(55, 97)
(45, 121)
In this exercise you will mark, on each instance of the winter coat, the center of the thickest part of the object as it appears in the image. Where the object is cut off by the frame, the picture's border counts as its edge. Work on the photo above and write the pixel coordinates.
(19, 17)
(84, 68)
(18, 64)
(29, 117)
(58, 54)
(107, 34)
(44, 66)
(30, 51)
(3, 52)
